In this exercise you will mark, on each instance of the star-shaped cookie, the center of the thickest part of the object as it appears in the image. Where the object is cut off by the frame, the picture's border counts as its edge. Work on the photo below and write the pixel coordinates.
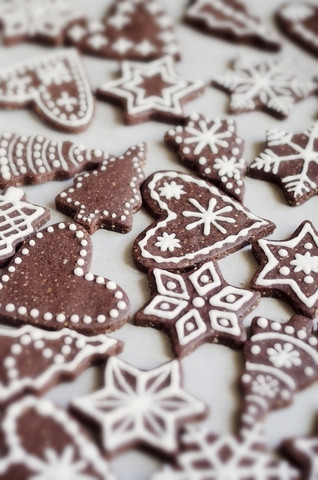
(289, 269)
(196, 307)
(151, 91)
(268, 85)
(212, 148)
(290, 160)
(142, 408)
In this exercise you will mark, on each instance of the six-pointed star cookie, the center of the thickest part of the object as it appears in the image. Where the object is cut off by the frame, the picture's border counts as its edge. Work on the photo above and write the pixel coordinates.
(212, 148)
(289, 269)
(303, 451)
(279, 360)
(231, 19)
(151, 91)
(196, 307)
(290, 161)
(269, 85)
(138, 407)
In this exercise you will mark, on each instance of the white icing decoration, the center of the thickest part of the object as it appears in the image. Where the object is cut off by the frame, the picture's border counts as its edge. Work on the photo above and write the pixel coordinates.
(171, 190)
(208, 216)
(225, 322)
(167, 242)
(204, 137)
(193, 317)
(175, 281)
(297, 13)
(283, 355)
(241, 297)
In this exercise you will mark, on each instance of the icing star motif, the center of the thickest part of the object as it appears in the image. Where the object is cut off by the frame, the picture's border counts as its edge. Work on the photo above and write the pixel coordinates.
(196, 307)
(291, 161)
(213, 149)
(269, 85)
(304, 452)
(139, 407)
(151, 91)
(56, 446)
(289, 269)
(280, 359)
(195, 222)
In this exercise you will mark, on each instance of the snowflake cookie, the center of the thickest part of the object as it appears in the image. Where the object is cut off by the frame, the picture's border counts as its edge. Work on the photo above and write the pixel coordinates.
(120, 177)
(36, 159)
(291, 162)
(151, 91)
(40, 20)
(195, 222)
(140, 408)
(48, 284)
(269, 85)
(207, 456)
(213, 149)
(18, 220)
(34, 360)
(196, 307)
(303, 451)
(289, 269)
(231, 19)
(55, 85)
(43, 442)
(132, 29)
(280, 359)
(300, 22)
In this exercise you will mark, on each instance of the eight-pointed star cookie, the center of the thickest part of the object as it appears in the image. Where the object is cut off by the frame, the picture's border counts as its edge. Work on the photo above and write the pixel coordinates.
(196, 307)
(212, 148)
(48, 284)
(195, 222)
(207, 456)
(289, 269)
(142, 408)
(300, 22)
(268, 85)
(290, 161)
(151, 91)
(132, 29)
(18, 220)
(231, 19)
(41, 20)
(44, 442)
(54, 85)
(279, 360)
(33, 360)
(303, 451)
(108, 196)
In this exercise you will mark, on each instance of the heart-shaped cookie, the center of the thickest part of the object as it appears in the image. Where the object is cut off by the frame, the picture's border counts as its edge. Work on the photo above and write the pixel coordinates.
(55, 85)
(196, 222)
(48, 284)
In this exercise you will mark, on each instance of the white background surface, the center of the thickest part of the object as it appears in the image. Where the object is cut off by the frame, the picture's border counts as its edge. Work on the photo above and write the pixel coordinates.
(211, 372)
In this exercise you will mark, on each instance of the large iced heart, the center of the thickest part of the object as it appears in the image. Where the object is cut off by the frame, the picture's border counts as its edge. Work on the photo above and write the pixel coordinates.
(55, 85)
(48, 284)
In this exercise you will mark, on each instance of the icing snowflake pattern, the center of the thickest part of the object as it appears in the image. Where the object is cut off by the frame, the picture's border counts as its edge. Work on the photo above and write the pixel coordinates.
(291, 161)
(283, 355)
(206, 222)
(140, 407)
(213, 149)
(167, 242)
(196, 307)
(270, 85)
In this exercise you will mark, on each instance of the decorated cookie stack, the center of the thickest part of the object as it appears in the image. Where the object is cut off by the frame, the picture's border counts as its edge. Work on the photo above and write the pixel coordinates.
(158, 221)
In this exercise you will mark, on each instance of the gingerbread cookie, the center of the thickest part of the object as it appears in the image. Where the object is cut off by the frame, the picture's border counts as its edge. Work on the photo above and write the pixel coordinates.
(280, 359)
(230, 19)
(195, 222)
(132, 29)
(196, 307)
(290, 161)
(55, 85)
(269, 85)
(289, 269)
(18, 220)
(300, 22)
(44, 441)
(36, 159)
(34, 360)
(48, 284)
(207, 456)
(212, 148)
(120, 177)
(151, 91)
(140, 408)
(303, 451)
